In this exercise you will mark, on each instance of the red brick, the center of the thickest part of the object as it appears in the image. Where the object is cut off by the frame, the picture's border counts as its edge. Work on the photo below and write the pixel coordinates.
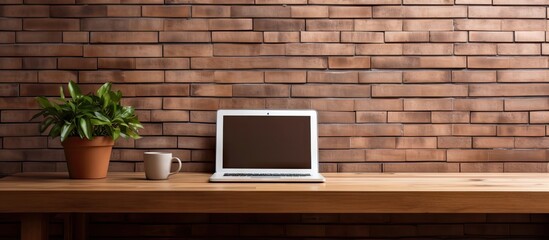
(360, 130)
(238, 77)
(12, 24)
(475, 49)
(428, 25)
(39, 50)
(51, 24)
(309, 11)
(191, 103)
(7, 37)
(350, 12)
(409, 117)
(120, 76)
(188, 50)
(507, 12)
(237, 37)
(123, 11)
(421, 155)
(406, 36)
(478, 104)
(526, 167)
(156, 142)
(25, 142)
(539, 117)
(507, 62)
(359, 167)
(320, 37)
(280, 37)
(481, 167)
(330, 25)
(191, 24)
(474, 76)
(451, 37)
(454, 142)
(385, 155)
(373, 142)
(211, 11)
(424, 104)
(427, 130)
(77, 63)
(491, 36)
(378, 25)
(521, 130)
(169, 116)
(496, 155)
(258, 62)
(78, 11)
(166, 11)
(371, 117)
(38, 37)
(379, 104)
(418, 167)
(526, 104)
(330, 91)
(122, 24)
(204, 90)
(493, 142)
(24, 11)
(349, 62)
(279, 25)
(56, 77)
(189, 76)
(362, 37)
(320, 49)
(508, 90)
(116, 63)
(418, 62)
(523, 25)
(419, 90)
(122, 51)
(495, 117)
(530, 36)
(11, 63)
(242, 103)
(76, 37)
(248, 49)
(185, 37)
(189, 129)
(286, 77)
(9, 90)
(420, 12)
(531, 142)
(332, 77)
(417, 142)
(478, 24)
(341, 155)
(334, 142)
(426, 76)
(379, 49)
(260, 11)
(473, 130)
(336, 117)
(380, 77)
(124, 37)
(450, 117)
(162, 63)
(18, 76)
(261, 90)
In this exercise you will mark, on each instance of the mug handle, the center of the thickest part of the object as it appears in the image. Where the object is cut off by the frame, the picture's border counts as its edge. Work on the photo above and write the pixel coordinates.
(179, 168)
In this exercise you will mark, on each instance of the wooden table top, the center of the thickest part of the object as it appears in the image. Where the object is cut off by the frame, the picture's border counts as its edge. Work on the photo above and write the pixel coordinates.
(341, 193)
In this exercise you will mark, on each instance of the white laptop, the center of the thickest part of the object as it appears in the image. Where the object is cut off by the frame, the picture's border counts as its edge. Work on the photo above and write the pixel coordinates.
(266, 146)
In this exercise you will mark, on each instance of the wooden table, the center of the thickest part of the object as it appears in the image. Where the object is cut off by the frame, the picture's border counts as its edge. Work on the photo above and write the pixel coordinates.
(36, 194)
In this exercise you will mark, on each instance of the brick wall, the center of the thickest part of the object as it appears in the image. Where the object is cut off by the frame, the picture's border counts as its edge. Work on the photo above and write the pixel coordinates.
(400, 85)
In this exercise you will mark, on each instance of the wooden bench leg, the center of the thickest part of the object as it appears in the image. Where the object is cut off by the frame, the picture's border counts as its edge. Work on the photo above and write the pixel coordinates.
(76, 226)
(34, 226)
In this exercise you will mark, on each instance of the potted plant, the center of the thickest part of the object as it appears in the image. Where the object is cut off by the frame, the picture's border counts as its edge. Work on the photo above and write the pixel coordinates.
(88, 125)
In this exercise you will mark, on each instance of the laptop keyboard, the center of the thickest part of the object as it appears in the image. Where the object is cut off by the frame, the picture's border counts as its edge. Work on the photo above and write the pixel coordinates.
(267, 174)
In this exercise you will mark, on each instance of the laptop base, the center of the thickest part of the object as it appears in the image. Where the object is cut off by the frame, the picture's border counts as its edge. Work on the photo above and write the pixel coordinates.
(314, 178)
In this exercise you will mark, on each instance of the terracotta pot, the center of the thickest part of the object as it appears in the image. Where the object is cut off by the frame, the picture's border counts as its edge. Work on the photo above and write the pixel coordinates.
(88, 159)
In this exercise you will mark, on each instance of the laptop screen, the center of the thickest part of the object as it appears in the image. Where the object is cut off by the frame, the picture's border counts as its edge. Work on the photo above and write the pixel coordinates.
(270, 142)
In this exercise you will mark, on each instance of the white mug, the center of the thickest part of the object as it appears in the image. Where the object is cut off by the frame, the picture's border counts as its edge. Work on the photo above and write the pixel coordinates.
(158, 164)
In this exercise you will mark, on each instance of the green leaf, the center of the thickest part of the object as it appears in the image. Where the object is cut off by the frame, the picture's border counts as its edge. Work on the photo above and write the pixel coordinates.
(116, 133)
(66, 131)
(105, 88)
(55, 131)
(101, 117)
(43, 102)
(85, 126)
(62, 93)
(38, 114)
(45, 124)
(74, 90)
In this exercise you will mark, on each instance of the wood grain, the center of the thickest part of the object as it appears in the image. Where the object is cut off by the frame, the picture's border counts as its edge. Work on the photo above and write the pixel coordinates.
(342, 193)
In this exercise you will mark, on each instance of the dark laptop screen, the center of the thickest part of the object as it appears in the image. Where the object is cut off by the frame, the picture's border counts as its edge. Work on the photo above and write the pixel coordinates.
(267, 142)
